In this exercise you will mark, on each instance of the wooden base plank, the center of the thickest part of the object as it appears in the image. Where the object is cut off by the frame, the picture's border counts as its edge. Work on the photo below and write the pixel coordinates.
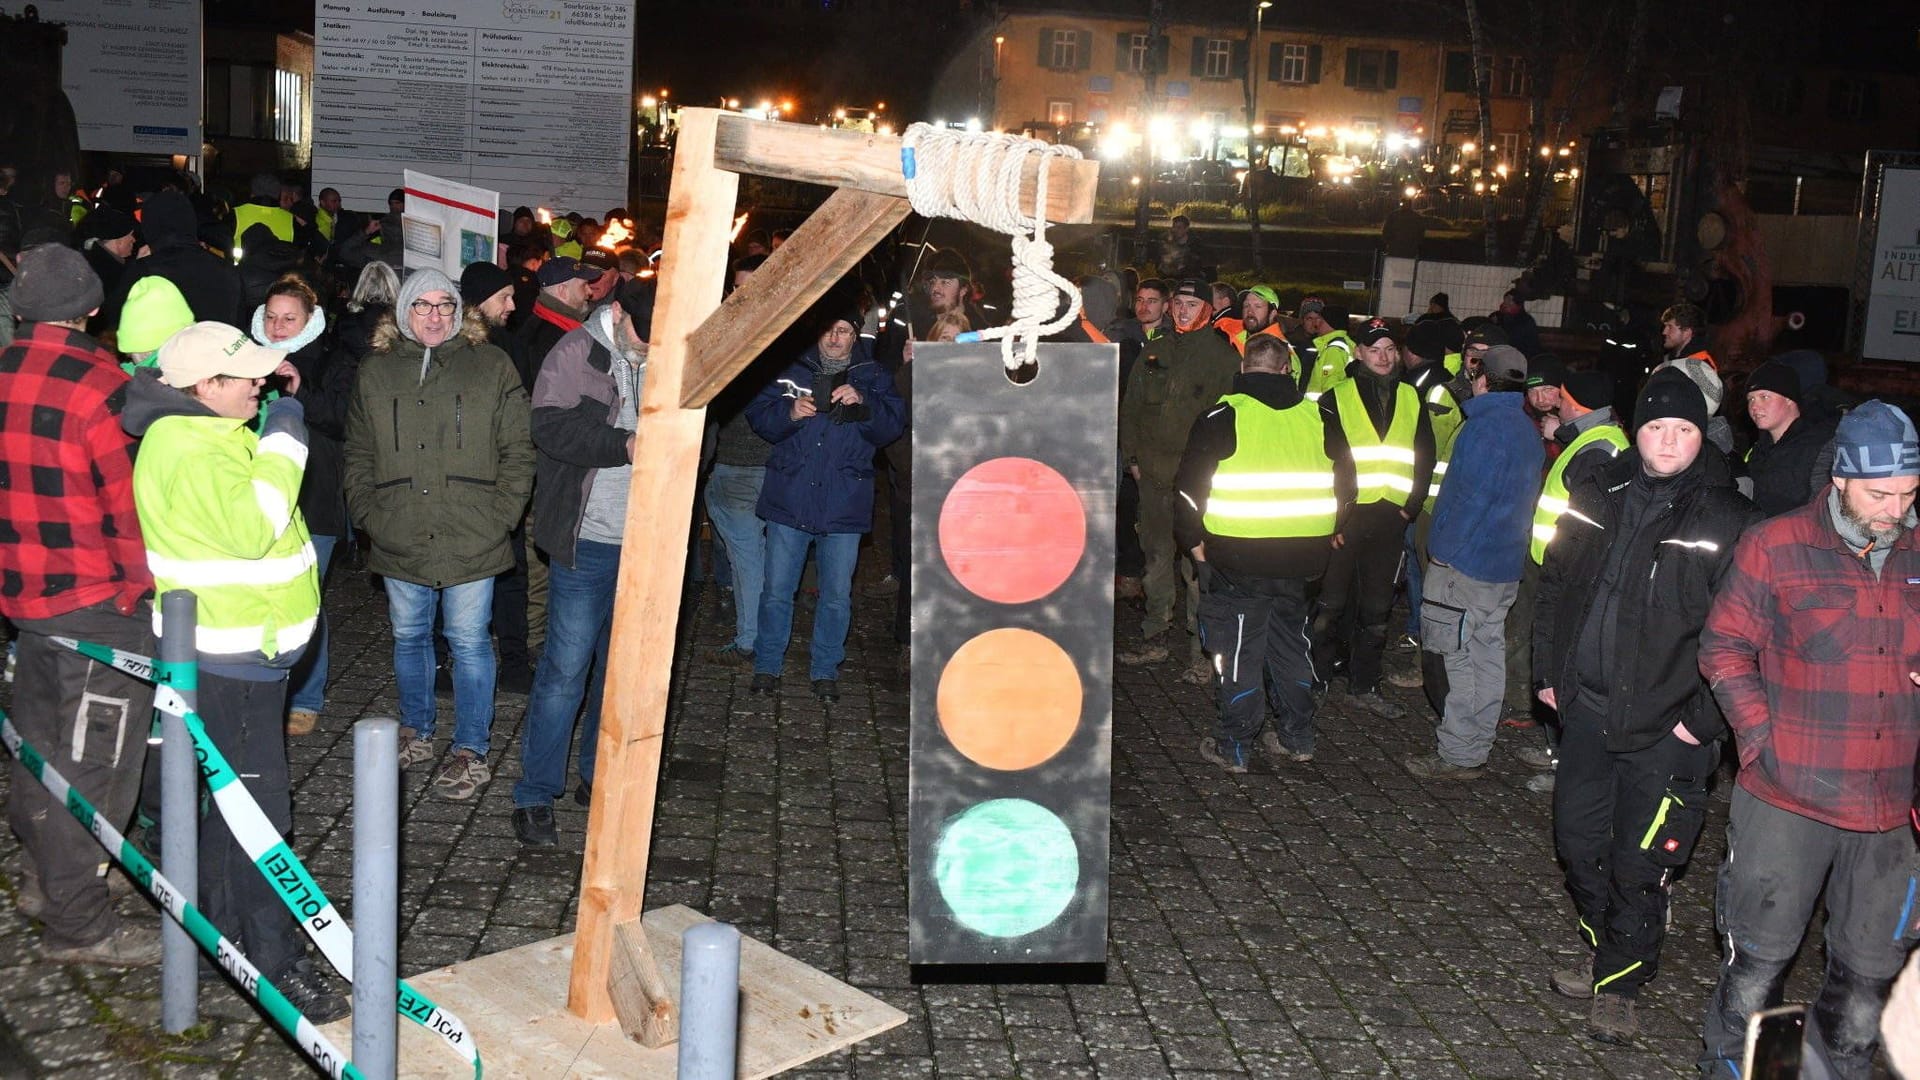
(515, 1004)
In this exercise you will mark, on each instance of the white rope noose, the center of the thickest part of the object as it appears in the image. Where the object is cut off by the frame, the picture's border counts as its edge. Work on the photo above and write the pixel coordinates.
(975, 176)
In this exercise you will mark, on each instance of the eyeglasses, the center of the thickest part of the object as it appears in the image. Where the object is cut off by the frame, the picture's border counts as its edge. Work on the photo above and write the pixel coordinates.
(428, 307)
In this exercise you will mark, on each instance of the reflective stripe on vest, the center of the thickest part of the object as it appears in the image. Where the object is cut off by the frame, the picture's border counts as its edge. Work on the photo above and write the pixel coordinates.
(1278, 481)
(1383, 467)
(1553, 495)
(1446, 428)
(1332, 351)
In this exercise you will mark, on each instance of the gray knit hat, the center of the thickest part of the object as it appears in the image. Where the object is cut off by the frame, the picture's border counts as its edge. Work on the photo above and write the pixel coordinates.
(55, 284)
(1875, 440)
(418, 284)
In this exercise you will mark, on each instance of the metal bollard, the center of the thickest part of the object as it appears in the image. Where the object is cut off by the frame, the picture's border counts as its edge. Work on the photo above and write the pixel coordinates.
(709, 1001)
(376, 896)
(179, 814)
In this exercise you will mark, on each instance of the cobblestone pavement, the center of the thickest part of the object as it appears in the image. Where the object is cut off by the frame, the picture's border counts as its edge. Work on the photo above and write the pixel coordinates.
(1330, 919)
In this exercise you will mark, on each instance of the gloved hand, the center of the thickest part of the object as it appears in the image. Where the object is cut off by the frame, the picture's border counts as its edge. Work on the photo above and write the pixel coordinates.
(1203, 575)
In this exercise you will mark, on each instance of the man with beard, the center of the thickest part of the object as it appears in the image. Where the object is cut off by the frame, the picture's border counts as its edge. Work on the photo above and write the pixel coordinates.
(1376, 424)
(487, 291)
(1259, 314)
(1812, 648)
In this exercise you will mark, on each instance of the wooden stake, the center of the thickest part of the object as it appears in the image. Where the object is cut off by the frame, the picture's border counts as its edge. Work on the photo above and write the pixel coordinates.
(641, 998)
(823, 248)
(853, 159)
(646, 610)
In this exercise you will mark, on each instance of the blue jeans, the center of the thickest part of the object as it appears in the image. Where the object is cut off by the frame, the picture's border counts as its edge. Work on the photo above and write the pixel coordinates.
(732, 493)
(310, 674)
(786, 561)
(465, 612)
(572, 666)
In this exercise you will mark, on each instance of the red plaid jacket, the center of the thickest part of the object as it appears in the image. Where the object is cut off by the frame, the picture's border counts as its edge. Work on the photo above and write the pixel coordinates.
(69, 537)
(1808, 655)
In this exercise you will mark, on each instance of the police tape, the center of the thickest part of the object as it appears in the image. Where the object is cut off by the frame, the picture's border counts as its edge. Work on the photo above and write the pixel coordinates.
(279, 1010)
(270, 853)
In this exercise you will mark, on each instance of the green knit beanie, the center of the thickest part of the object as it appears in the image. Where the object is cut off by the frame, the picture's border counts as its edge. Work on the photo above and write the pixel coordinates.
(154, 312)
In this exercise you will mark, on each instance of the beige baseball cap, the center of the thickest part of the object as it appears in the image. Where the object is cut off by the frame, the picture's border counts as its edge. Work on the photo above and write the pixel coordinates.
(206, 349)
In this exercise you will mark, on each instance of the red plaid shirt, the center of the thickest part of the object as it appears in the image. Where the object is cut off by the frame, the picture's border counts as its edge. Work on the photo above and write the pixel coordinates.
(1808, 654)
(69, 537)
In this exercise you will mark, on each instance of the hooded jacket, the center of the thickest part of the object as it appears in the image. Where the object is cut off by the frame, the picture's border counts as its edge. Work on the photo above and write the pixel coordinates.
(209, 283)
(575, 404)
(1633, 617)
(820, 471)
(439, 462)
(324, 397)
(219, 514)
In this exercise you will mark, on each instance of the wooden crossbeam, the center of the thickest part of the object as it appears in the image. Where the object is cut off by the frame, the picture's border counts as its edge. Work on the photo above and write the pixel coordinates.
(854, 159)
(819, 252)
(646, 610)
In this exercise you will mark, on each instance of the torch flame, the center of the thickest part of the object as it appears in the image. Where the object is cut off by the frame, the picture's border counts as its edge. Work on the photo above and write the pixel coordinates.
(616, 234)
(545, 216)
(738, 224)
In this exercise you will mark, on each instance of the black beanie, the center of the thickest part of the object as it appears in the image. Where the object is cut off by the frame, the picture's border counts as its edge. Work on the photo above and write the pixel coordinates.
(1428, 340)
(1776, 377)
(1592, 389)
(1671, 395)
(481, 280)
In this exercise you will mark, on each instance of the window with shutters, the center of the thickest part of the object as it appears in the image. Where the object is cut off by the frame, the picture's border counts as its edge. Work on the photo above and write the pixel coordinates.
(1458, 78)
(1065, 51)
(1510, 77)
(1372, 69)
(1293, 64)
(1139, 53)
(1219, 64)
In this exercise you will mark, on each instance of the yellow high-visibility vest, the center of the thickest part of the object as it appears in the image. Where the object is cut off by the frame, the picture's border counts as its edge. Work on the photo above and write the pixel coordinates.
(1446, 416)
(1383, 468)
(1553, 495)
(1278, 481)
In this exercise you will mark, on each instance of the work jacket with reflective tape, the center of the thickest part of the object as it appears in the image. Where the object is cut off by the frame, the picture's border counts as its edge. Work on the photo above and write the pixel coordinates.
(219, 510)
(1332, 351)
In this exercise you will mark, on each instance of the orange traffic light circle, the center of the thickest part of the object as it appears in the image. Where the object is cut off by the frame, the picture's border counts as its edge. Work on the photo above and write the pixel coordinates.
(1009, 699)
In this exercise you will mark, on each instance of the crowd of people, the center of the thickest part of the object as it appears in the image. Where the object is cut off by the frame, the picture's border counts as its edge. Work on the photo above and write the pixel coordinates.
(234, 399)
(1652, 593)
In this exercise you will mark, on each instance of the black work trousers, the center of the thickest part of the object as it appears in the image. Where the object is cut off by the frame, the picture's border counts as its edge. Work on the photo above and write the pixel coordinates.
(1612, 815)
(244, 718)
(1357, 594)
(1254, 631)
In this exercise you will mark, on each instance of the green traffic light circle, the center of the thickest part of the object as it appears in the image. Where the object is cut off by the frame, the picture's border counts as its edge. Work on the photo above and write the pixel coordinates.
(1006, 867)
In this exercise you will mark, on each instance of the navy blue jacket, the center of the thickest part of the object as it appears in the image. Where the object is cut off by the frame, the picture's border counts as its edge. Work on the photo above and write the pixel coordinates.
(820, 474)
(1483, 522)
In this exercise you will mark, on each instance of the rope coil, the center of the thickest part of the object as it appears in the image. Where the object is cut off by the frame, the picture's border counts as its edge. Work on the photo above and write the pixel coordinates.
(975, 176)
